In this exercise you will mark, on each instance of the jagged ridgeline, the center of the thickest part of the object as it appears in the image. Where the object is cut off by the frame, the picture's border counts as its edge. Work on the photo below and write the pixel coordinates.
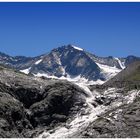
(69, 62)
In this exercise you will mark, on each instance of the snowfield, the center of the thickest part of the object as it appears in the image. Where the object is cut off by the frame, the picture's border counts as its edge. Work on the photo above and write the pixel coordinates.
(108, 71)
(26, 71)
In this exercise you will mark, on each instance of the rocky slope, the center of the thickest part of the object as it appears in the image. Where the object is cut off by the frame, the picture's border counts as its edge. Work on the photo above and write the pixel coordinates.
(120, 122)
(129, 77)
(110, 113)
(28, 103)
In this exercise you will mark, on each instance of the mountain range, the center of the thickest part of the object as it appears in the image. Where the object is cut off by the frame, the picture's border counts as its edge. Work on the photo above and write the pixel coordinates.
(47, 96)
(69, 62)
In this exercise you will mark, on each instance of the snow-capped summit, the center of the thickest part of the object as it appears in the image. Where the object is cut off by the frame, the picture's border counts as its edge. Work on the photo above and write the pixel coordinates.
(75, 64)
(66, 62)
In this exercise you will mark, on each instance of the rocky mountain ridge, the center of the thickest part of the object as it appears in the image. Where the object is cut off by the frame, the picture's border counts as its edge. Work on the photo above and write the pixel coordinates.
(69, 62)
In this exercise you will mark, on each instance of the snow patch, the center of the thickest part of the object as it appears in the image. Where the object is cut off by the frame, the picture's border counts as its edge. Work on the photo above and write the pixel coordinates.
(78, 79)
(45, 75)
(108, 69)
(120, 63)
(77, 48)
(81, 80)
(37, 62)
(26, 71)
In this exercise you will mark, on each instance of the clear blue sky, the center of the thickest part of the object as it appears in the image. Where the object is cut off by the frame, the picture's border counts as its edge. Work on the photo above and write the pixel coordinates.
(104, 29)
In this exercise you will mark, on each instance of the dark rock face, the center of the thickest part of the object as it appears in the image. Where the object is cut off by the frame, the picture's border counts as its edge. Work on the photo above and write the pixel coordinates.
(58, 104)
(27, 103)
(13, 118)
(80, 64)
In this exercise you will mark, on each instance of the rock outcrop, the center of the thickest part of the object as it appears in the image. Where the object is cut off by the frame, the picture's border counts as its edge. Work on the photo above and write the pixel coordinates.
(27, 102)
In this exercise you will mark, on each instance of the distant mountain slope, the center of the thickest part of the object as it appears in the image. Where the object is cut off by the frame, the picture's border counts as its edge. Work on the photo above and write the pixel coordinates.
(130, 75)
(110, 61)
(69, 62)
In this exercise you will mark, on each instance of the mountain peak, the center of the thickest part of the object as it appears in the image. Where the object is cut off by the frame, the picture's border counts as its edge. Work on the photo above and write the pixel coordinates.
(74, 47)
(68, 47)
